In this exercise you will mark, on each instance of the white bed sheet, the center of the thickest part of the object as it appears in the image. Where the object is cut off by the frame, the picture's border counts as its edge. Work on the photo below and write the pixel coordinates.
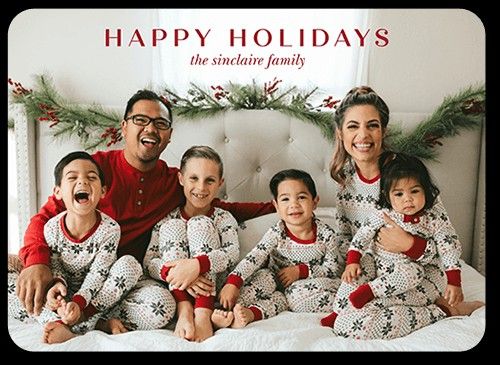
(286, 332)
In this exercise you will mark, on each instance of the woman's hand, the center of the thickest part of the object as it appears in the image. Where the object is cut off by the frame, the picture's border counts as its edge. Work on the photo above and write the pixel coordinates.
(393, 238)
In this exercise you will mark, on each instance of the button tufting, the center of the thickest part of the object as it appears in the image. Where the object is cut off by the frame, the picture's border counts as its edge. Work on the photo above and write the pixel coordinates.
(290, 139)
(258, 169)
(226, 140)
(225, 197)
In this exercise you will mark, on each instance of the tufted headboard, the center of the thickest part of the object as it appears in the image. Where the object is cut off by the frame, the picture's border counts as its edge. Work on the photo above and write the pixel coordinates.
(255, 144)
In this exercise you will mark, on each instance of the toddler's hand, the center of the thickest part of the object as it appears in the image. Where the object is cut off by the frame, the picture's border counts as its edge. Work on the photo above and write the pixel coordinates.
(351, 272)
(228, 296)
(454, 295)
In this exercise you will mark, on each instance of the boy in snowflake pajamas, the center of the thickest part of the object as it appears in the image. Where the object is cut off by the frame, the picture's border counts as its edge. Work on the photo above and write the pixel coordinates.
(410, 199)
(83, 243)
(196, 245)
(294, 266)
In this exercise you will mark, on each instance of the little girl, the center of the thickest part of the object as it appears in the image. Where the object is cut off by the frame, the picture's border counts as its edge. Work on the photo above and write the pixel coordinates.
(195, 245)
(409, 198)
(295, 265)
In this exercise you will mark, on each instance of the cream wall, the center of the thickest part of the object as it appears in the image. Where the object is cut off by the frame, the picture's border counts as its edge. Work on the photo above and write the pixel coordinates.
(432, 53)
(69, 45)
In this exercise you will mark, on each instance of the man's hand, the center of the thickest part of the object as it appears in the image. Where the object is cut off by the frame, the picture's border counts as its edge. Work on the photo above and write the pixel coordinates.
(393, 238)
(288, 275)
(31, 287)
(201, 286)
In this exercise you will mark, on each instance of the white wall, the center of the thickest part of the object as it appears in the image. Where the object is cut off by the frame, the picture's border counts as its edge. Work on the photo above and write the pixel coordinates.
(432, 53)
(69, 45)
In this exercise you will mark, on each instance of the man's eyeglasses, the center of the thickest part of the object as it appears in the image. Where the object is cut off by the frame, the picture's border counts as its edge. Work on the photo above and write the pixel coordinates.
(144, 120)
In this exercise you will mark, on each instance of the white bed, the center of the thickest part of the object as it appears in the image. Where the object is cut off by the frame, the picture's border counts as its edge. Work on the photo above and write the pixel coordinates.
(285, 332)
(254, 145)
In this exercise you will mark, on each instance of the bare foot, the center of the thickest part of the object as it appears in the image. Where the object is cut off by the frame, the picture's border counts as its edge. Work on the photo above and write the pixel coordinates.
(222, 318)
(112, 326)
(242, 316)
(202, 324)
(461, 309)
(55, 332)
(185, 322)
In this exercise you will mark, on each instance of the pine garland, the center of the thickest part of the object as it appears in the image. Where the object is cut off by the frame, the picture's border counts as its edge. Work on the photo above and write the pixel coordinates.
(464, 110)
(96, 126)
(200, 104)
(93, 125)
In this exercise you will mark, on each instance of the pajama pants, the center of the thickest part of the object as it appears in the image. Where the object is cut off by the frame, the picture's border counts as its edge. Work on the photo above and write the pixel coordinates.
(262, 292)
(148, 306)
(312, 294)
(391, 316)
(181, 240)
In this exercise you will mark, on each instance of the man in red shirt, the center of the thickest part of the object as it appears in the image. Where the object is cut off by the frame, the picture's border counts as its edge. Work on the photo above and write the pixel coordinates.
(142, 189)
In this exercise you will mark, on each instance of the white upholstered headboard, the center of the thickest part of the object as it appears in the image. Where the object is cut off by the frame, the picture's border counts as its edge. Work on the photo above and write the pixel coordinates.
(255, 144)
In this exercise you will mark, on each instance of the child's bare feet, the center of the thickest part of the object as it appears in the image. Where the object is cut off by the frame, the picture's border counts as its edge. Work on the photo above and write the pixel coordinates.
(242, 316)
(185, 322)
(461, 309)
(112, 326)
(222, 318)
(202, 324)
(56, 332)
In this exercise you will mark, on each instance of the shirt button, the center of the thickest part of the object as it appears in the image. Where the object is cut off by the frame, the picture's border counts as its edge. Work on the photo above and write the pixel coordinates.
(139, 202)
(141, 179)
(258, 169)
(140, 191)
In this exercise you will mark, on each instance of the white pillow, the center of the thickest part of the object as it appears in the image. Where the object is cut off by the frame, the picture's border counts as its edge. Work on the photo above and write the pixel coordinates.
(250, 232)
